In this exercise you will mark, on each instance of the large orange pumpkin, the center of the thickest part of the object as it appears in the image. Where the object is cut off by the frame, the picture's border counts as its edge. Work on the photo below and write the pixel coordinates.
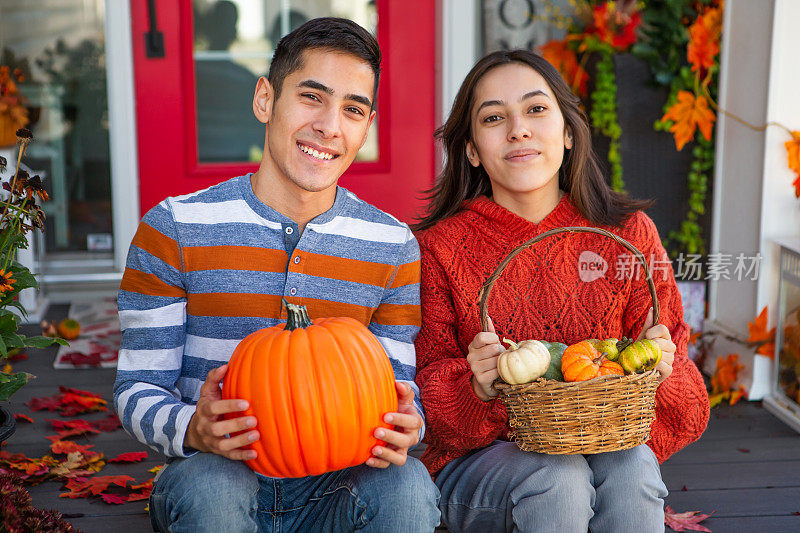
(318, 391)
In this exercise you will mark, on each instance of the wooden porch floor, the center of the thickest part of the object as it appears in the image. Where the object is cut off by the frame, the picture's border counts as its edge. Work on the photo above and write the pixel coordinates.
(746, 467)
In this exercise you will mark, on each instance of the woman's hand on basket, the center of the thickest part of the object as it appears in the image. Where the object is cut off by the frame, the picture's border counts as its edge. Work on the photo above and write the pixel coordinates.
(662, 336)
(484, 350)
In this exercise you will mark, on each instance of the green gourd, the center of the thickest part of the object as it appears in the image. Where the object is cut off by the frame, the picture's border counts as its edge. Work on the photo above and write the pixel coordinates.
(556, 350)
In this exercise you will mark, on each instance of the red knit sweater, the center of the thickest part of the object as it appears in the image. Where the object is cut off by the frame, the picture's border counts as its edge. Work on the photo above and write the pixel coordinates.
(539, 296)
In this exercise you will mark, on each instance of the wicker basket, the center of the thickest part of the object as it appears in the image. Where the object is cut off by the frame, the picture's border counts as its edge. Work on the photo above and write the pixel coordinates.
(604, 414)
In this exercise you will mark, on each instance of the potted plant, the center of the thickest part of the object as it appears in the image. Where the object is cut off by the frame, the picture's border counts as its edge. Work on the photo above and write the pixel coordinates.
(19, 213)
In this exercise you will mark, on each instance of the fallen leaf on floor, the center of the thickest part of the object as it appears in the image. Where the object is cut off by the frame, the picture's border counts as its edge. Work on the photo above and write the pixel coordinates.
(688, 521)
(23, 418)
(81, 487)
(113, 498)
(129, 457)
(110, 423)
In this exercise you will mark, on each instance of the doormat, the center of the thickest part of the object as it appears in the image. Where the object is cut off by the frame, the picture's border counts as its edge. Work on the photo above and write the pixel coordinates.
(98, 344)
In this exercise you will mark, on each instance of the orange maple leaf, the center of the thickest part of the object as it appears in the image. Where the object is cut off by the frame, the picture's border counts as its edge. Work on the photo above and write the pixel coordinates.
(793, 147)
(726, 373)
(702, 48)
(688, 114)
(81, 487)
(758, 329)
(564, 59)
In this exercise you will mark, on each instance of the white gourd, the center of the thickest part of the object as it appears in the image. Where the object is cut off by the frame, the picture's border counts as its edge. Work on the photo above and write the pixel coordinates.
(523, 362)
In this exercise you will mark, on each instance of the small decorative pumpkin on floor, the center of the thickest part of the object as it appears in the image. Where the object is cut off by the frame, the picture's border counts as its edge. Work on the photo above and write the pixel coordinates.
(69, 329)
(318, 391)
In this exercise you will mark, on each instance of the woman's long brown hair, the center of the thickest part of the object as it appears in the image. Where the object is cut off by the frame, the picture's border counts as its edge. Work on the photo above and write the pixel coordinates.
(579, 175)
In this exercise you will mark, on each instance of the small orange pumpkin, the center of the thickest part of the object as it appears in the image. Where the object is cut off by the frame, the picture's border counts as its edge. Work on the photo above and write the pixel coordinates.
(582, 362)
(610, 368)
(69, 329)
(579, 362)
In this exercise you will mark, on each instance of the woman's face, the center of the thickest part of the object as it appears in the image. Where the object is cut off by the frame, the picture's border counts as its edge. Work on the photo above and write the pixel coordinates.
(518, 132)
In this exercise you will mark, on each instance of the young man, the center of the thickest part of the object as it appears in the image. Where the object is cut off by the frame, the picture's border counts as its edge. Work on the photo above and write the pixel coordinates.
(207, 269)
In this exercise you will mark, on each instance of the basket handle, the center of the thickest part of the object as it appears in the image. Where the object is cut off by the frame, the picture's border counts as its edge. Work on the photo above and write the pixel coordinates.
(487, 286)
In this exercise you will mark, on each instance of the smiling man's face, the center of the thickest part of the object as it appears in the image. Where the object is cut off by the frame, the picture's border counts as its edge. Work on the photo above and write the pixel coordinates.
(320, 120)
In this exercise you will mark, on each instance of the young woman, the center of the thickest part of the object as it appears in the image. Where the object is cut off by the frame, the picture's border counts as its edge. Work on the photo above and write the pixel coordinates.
(519, 163)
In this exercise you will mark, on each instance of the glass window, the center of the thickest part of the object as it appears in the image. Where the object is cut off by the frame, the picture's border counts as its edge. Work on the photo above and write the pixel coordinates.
(58, 47)
(233, 44)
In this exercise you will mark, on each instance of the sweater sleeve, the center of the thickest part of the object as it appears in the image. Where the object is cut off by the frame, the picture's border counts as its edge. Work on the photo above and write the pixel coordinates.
(682, 408)
(152, 313)
(456, 417)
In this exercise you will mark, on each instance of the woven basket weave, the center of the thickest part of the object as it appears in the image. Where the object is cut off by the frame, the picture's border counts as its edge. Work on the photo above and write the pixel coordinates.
(604, 414)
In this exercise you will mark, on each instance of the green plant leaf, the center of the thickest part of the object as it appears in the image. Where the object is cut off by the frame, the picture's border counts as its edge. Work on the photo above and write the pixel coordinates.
(11, 383)
(43, 342)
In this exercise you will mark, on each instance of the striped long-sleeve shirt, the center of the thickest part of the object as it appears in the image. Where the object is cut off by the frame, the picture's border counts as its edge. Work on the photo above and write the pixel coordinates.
(207, 269)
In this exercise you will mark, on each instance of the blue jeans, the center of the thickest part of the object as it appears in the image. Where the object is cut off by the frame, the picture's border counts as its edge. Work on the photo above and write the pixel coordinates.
(207, 492)
(502, 488)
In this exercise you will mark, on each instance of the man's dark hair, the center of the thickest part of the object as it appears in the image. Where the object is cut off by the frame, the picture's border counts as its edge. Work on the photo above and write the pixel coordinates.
(329, 33)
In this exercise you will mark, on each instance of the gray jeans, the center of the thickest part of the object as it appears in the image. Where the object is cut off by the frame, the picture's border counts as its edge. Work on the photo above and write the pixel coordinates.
(501, 488)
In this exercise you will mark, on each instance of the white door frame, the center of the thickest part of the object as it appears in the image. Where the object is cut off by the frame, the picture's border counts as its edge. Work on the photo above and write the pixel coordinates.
(122, 128)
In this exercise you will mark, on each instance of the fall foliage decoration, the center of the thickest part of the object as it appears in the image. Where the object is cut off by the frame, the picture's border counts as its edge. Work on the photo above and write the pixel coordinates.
(688, 521)
(760, 336)
(724, 380)
(324, 368)
(688, 114)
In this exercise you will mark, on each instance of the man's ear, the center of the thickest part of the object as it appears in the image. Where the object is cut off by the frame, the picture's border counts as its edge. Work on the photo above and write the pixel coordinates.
(568, 138)
(263, 100)
(370, 120)
(472, 155)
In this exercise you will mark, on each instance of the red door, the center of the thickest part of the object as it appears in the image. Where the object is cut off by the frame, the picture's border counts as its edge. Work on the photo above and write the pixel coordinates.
(181, 140)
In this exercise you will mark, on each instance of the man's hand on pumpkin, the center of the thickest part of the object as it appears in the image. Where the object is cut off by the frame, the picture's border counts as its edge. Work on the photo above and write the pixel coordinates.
(209, 430)
(407, 423)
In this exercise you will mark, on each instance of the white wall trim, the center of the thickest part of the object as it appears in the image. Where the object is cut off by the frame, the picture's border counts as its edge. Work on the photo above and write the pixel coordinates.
(460, 42)
(719, 155)
(780, 214)
(122, 128)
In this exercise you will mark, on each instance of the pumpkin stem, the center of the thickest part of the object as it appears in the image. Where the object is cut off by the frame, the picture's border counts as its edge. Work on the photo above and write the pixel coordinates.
(623, 343)
(296, 316)
(514, 345)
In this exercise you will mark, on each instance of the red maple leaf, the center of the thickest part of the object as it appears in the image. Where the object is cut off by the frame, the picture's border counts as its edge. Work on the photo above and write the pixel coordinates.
(115, 499)
(129, 457)
(689, 520)
(80, 487)
(68, 446)
(49, 403)
(136, 496)
(110, 423)
(21, 356)
(71, 428)
(23, 418)
(79, 392)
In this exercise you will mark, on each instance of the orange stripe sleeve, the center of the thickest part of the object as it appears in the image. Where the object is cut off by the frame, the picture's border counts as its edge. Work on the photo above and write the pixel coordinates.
(234, 258)
(156, 243)
(407, 274)
(398, 315)
(149, 284)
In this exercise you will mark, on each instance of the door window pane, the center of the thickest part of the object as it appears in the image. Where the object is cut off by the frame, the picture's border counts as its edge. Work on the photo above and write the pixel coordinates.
(233, 44)
(58, 46)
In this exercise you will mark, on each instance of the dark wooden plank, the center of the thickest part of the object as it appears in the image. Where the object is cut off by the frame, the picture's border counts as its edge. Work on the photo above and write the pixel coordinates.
(742, 449)
(139, 523)
(736, 502)
(725, 476)
(772, 524)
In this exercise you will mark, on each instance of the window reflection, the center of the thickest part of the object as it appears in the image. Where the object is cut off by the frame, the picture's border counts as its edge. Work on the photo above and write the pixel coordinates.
(233, 43)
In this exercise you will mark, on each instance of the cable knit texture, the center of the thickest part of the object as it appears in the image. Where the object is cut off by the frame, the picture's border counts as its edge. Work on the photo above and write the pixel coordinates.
(540, 296)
